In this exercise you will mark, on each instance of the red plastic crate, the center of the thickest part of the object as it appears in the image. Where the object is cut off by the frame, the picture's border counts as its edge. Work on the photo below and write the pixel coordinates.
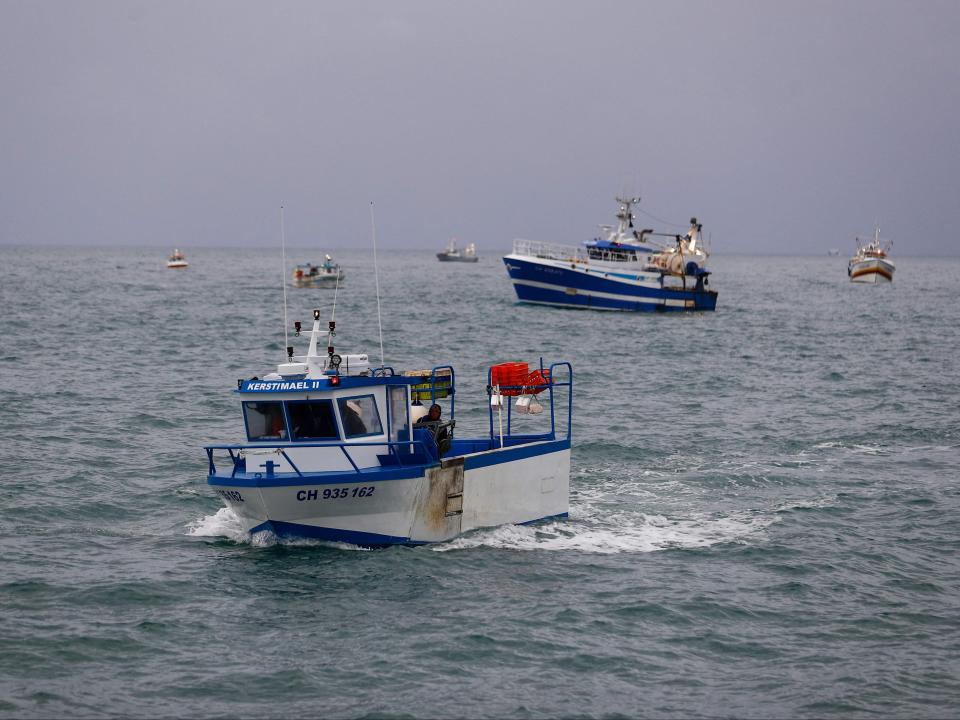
(510, 374)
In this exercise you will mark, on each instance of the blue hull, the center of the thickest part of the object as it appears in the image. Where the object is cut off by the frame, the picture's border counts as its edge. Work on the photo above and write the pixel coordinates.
(548, 284)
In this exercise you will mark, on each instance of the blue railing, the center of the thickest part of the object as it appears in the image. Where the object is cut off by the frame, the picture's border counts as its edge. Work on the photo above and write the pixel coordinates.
(550, 384)
(415, 450)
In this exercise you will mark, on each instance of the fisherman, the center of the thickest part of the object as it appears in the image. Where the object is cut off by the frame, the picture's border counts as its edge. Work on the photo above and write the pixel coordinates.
(432, 416)
(440, 430)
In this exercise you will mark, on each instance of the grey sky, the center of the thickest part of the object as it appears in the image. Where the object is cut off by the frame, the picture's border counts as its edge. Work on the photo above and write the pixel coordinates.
(785, 127)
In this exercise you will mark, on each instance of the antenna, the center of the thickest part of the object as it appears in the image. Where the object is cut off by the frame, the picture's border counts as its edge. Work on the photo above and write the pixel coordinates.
(283, 277)
(376, 275)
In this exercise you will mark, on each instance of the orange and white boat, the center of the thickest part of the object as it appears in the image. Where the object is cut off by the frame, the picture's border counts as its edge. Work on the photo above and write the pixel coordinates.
(872, 263)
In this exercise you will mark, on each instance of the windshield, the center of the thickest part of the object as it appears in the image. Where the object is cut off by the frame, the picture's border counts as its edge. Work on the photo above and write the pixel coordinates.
(265, 420)
(313, 420)
(360, 416)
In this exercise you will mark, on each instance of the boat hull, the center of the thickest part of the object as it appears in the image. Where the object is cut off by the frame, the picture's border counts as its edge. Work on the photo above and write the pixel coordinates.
(406, 505)
(873, 271)
(581, 285)
(177, 264)
(318, 281)
(443, 257)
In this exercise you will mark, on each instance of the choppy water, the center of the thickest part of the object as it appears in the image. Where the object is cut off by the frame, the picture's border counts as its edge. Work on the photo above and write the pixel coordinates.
(764, 514)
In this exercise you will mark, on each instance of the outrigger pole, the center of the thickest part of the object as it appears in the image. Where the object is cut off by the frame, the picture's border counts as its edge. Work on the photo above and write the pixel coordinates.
(376, 277)
(283, 281)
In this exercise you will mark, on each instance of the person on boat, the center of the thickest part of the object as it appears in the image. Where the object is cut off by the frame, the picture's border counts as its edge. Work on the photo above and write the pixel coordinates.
(440, 430)
(432, 416)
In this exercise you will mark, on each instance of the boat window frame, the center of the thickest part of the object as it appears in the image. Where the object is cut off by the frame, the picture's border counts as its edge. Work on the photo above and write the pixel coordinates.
(338, 435)
(341, 401)
(286, 421)
(391, 420)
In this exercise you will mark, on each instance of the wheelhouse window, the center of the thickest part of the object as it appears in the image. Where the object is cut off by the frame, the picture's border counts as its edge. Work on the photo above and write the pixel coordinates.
(265, 420)
(360, 416)
(312, 420)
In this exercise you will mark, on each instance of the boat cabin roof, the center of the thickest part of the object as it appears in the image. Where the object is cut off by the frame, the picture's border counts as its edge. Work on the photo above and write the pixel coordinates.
(330, 383)
(609, 245)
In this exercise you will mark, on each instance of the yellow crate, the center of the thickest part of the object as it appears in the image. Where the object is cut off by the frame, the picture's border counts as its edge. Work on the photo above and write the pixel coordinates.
(421, 391)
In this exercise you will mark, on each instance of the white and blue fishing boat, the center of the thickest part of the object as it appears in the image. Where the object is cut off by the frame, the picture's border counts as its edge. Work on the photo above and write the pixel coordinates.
(327, 274)
(626, 270)
(334, 450)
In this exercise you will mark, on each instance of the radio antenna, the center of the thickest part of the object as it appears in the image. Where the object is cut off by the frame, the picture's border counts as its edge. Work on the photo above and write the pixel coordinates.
(283, 277)
(376, 276)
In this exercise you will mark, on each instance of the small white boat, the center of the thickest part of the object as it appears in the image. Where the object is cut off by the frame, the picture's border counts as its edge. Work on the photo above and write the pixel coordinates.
(336, 450)
(327, 274)
(454, 254)
(871, 263)
(176, 260)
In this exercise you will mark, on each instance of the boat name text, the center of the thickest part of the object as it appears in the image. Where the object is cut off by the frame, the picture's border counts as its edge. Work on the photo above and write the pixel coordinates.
(276, 386)
(334, 493)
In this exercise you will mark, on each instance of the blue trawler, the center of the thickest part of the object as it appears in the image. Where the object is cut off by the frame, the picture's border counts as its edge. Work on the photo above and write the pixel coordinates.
(626, 270)
(340, 451)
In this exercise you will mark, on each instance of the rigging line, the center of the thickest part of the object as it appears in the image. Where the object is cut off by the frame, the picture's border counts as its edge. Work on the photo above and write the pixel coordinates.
(336, 289)
(665, 222)
(283, 279)
(376, 276)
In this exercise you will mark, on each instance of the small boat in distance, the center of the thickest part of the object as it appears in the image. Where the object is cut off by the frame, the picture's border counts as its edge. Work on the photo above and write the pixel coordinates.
(177, 260)
(871, 263)
(833, 251)
(327, 274)
(626, 270)
(454, 254)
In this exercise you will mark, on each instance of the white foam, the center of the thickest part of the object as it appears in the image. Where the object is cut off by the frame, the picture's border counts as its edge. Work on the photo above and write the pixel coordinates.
(644, 533)
(226, 523)
(223, 523)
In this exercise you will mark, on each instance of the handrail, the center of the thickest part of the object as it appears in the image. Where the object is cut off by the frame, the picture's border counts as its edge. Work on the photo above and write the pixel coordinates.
(550, 384)
(391, 446)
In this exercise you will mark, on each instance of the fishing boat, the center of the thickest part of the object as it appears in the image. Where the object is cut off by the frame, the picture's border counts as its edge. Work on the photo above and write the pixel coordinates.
(176, 261)
(338, 450)
(454, 254)
(871, 263)
(625, 270)
(327, 274)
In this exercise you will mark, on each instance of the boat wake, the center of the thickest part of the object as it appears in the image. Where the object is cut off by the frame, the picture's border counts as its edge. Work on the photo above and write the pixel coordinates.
(642, 534)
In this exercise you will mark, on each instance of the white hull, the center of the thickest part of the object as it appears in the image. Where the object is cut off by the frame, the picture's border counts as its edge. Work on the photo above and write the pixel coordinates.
(871, 270)
(462, 494)
(320, 281)
(177, 264)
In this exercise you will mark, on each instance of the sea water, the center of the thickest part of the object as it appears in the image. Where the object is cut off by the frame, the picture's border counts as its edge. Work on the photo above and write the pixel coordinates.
(764, 511)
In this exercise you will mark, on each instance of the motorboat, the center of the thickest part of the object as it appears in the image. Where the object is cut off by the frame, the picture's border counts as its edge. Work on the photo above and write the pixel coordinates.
(176, 261)
(871, 263)
(327, 274)
(338, 449)
(625, 270)
(454, 254)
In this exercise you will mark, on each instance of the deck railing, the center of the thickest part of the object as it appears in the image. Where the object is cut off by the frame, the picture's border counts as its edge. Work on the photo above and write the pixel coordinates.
(550, 251)
(573, 254)
(398, 449)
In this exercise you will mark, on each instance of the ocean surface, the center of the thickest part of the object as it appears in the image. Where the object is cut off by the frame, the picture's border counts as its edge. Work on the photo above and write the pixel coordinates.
(764, 520)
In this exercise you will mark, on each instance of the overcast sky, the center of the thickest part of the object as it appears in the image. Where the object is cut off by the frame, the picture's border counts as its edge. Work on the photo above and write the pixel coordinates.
(783, 126)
